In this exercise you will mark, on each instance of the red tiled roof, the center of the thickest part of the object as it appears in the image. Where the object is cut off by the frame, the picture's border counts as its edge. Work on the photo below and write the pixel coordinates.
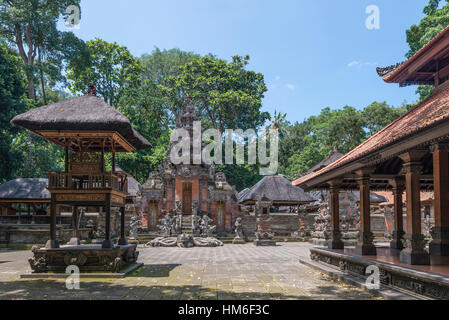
(425, 196)
(431, 111)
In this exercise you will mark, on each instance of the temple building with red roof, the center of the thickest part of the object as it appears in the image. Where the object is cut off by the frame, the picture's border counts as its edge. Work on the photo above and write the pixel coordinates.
(410, 154)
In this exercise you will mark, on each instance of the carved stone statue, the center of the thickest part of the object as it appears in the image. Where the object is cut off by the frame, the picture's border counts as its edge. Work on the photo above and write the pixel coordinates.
(238, 228)
(177, 224)
(134, 225)
(206, 228)
(166, 225)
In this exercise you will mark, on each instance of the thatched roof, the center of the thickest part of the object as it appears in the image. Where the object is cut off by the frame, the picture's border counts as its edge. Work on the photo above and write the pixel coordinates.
(277, 189)
(25, 189)
(134, 187)
(242, 193)
(86, 113)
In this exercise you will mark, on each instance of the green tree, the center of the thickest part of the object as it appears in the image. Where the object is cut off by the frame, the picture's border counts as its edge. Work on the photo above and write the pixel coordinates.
(227, 95)
(12, 102)
(31, 25)
(162, 64)
(111, 67)
(378, 115)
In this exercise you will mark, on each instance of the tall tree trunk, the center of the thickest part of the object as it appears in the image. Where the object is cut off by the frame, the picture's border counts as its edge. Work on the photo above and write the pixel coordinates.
(31, 89)
(44, 95)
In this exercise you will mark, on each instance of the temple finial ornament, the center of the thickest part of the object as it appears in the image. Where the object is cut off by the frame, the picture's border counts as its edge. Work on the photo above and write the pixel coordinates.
(92, 91)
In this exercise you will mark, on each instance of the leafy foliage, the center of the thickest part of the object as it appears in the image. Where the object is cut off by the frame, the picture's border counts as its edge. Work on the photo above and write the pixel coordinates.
(12, 102)
(227, 95)
(112, 68)
(31, 26)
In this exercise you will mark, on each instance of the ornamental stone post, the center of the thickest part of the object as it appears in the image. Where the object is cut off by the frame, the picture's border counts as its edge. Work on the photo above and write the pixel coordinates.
(440, 233)
(414, 252)
(336, 239)
(398, 233)
(365, 245)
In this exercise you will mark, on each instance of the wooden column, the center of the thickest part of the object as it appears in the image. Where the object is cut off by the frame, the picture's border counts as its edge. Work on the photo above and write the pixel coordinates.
(335, 242)
(122, 241)
(414, 252)
(365, 245)
(440, 233)
(53, 242)
(398, 232)
(75, 240)
(107, 243)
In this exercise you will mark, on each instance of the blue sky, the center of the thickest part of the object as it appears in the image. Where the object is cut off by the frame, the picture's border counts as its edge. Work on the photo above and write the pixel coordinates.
(313, 54)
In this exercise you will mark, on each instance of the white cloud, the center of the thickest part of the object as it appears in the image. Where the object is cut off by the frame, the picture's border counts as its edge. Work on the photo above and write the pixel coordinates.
(278, 78)
(361, 64)
(291, 86)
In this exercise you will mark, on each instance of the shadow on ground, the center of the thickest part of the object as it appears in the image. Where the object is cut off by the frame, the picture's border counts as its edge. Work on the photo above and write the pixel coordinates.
(154, 270)
(99, 290)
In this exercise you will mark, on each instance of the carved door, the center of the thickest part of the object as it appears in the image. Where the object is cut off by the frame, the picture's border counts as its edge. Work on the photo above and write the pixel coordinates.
(187, 198)
(220, 216)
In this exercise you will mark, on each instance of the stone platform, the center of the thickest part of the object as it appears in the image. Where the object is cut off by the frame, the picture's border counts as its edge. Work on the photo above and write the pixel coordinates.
(427, 281)
(88, 258)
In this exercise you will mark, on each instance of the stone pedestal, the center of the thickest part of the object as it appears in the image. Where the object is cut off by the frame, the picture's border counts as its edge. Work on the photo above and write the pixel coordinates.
(74, 241)
(397, 241)
(365, 245)
(52, 244)
(265, 243)
(440, 241)
(414, 252)
(335, 242)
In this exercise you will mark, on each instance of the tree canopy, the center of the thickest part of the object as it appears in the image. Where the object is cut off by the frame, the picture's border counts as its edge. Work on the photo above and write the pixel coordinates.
(111, 67)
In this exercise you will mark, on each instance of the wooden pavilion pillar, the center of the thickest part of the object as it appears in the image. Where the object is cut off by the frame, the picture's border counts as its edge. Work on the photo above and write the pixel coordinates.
(365, 245)
(398, 232)
(122, 241)
(440, 233)
(335, 242)
(414, 252)
(107, 243)
(53, 242)
(75, 240)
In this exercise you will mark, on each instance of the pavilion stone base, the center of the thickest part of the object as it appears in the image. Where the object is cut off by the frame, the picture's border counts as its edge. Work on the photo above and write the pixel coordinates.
(238, 241)
(439, 246)
(325, 243)
(366, 249)
(431, 285)
(88, 258)
(265, 243)
(408, 256)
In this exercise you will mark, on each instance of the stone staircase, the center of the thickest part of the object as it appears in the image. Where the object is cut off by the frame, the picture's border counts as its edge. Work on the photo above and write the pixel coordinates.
(187, 225)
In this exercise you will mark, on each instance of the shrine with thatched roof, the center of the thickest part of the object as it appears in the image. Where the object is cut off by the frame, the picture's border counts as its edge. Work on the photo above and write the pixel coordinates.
(87, 128)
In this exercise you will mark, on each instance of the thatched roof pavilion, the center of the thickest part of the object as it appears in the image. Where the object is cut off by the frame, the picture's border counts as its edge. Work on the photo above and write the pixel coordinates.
(25, 189)
(86, 116)
(277, 189)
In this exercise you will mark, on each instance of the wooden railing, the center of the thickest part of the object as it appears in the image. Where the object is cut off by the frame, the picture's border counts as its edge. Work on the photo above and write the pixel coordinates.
(69, 181)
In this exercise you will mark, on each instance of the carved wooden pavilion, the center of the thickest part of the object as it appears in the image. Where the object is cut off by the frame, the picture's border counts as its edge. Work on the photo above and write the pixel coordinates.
(412, 154)
(87, 128)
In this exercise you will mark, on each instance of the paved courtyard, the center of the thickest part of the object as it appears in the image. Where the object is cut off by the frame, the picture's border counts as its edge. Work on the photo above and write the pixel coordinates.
(229, 272)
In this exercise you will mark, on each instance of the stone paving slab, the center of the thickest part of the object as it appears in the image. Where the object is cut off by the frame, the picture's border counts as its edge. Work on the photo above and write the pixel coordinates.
(232, 272)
